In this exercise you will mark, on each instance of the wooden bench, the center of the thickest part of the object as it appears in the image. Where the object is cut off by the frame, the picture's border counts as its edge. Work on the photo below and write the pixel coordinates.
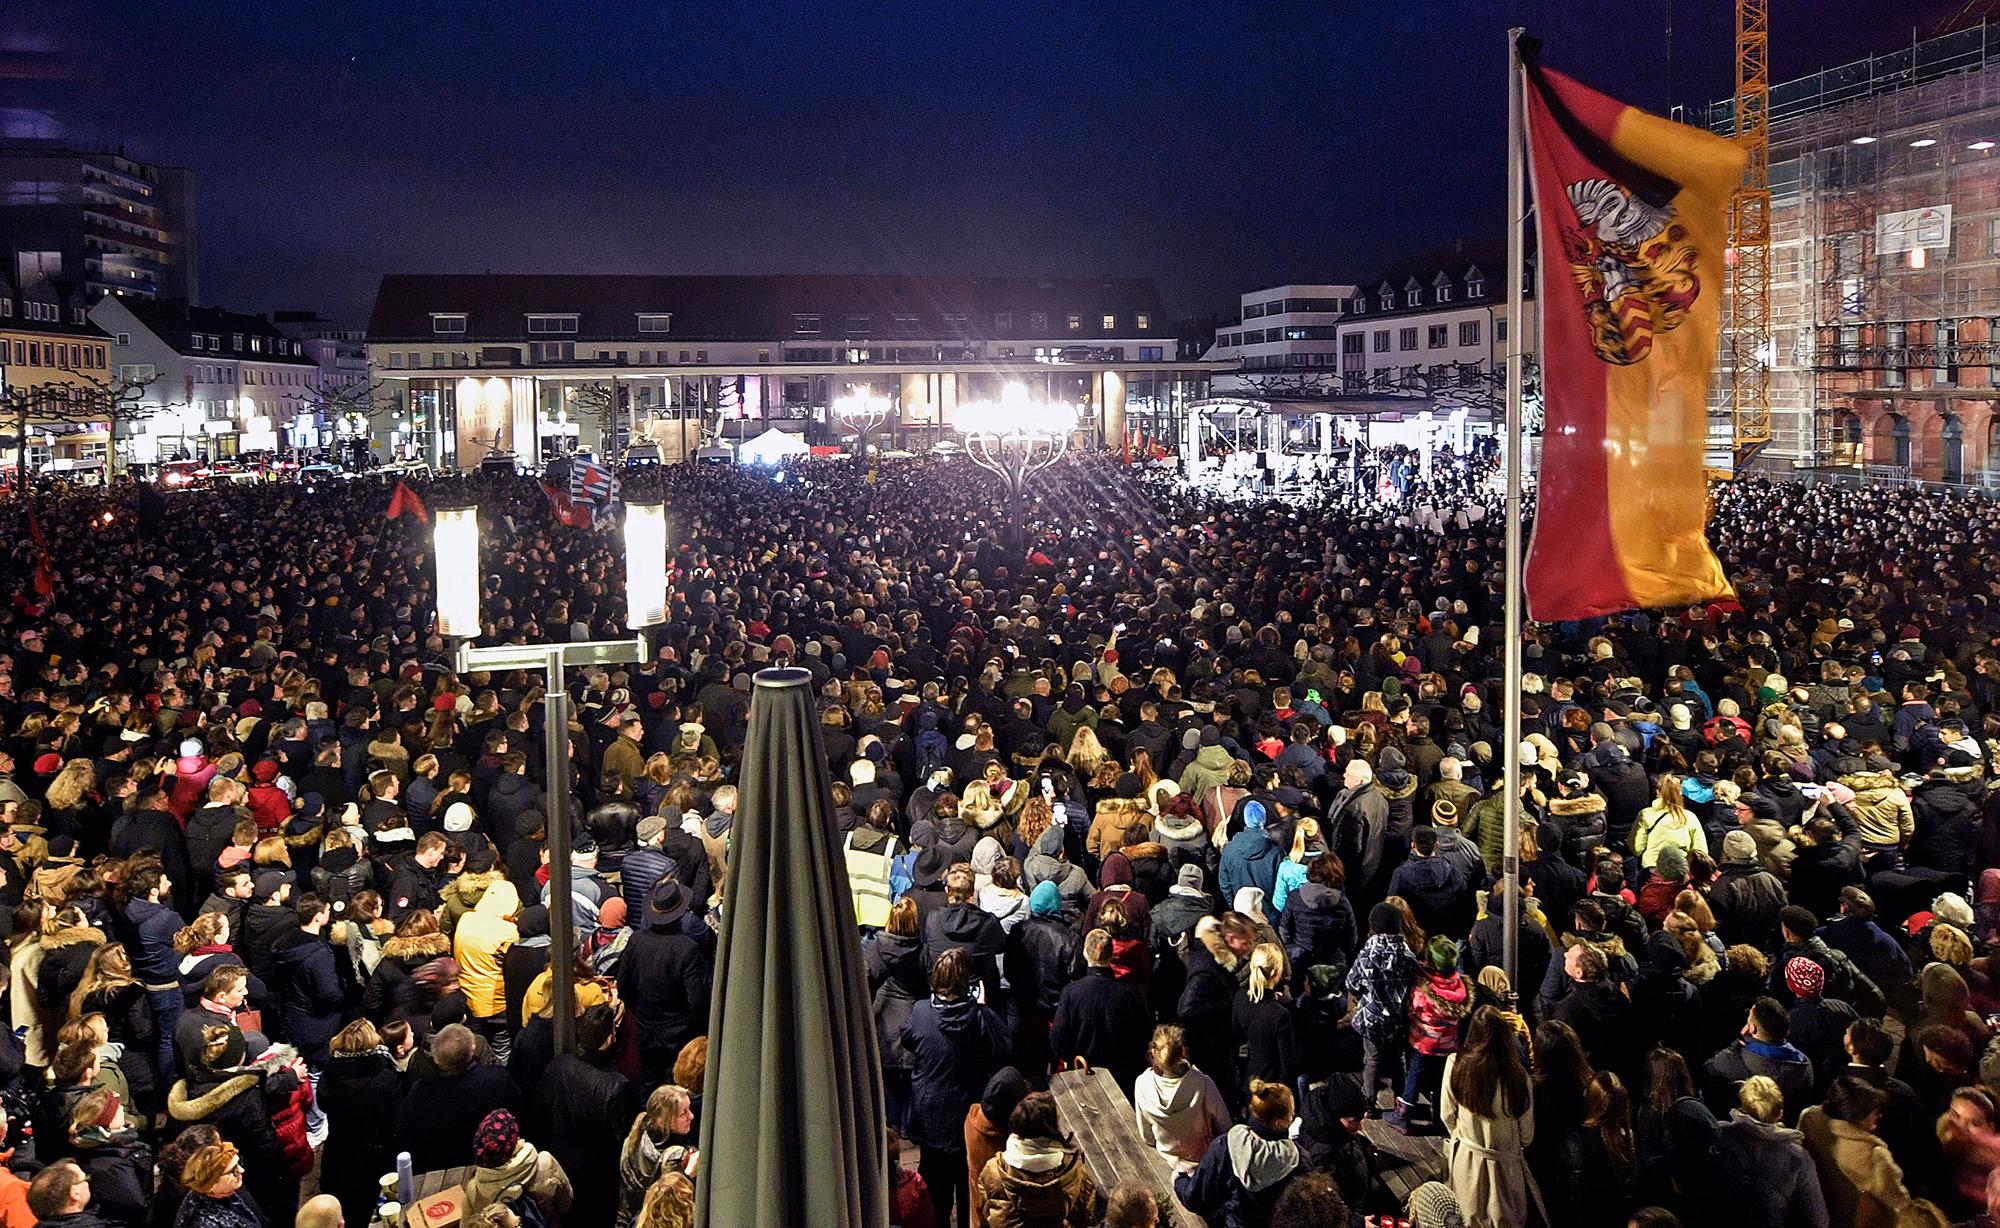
(1094, 1111)
(1407, 1160)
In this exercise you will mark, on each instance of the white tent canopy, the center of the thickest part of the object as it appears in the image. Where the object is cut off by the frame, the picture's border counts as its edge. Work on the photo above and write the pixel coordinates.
(772, 447)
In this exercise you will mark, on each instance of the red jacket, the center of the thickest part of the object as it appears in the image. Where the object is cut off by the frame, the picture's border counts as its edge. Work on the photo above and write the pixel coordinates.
(270, 806)
(1437, 1004)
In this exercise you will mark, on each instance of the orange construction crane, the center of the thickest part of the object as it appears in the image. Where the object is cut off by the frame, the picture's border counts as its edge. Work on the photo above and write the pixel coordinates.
(1751, 346)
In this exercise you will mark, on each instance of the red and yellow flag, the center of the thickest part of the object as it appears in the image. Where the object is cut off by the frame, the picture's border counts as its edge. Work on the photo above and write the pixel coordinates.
(1631, 210)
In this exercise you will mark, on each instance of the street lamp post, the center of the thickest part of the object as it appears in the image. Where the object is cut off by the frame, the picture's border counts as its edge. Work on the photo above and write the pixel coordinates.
(455, 542)
(862, 410)
(1015, 438)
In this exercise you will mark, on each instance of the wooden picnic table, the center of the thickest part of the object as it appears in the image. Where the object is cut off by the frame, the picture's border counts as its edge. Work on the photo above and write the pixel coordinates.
(1094, 1111)
(433, 1182)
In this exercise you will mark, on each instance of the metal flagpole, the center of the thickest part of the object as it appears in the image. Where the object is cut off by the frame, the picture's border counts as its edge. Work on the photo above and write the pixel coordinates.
(1511, 671)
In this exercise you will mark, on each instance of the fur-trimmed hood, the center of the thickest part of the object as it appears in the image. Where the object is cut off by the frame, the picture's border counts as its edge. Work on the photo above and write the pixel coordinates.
(186, 1104)
(1570, 807)
(73, 936)
(426, 946)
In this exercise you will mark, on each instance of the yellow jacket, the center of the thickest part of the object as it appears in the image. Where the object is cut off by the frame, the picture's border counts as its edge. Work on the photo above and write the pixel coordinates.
(484, 934)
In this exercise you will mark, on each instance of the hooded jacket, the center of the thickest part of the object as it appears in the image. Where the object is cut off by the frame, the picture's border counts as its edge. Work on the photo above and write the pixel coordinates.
(1037, 1183)
(1317, 926)
(1381, 979)
(460, 894)
(1209, 770)
(1242, 1176)
(954, 1049)
(480, 946)
(1947, 826)
(1580, 818)
(1746, 900)
(1045, 865)
(1179, 1115)
(1880, 808)
(309, 990)
(1251, 858)
(529, 1172)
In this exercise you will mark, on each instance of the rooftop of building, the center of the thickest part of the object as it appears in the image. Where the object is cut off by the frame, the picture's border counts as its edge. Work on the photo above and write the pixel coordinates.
(1931, 59)
(177, 322)
(764, 307)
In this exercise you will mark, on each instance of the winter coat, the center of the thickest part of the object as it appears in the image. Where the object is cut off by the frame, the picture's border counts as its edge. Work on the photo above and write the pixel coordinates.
(954, 1049)
(233, 1101)
(1657, 828)
(1724, 1074)
(395, 991)
(1104, 1020)
(480, 946)
(1581, 819)
(1861, 1181)
(639, 874)
(1486, 1160)
(1440, 898)
(1114, 819)
(1947, 827)
(1873, 949)
(128, 1016)
(359, 1095)
(1880, 808)
(1179, 1116)
(1359, 823)
(1036, 1183)
(665, 978)
(510, 797)
(1241, 1177)
(64, 955)
(120, 1168)
(1437, 1004)
(578, 1106)
(896, 973)
(1269, 1041)
(1786, 1190)
(309, 990)
(1209, 769)
(1381, 979)
(1746, 900)
(1250, 859)
(460, 895)
(148, 935)
(1316, 926)
(528, 1173)
(1043, 955)
(641, 1160)
(440, 1114)
(969, 928)
(201, 1211)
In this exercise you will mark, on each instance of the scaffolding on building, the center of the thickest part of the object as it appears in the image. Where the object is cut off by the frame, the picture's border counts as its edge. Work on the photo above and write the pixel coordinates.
(1863, 314)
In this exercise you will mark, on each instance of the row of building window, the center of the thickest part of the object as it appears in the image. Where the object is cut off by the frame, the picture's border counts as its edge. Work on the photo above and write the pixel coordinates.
(63, 355)
(203, 373)
(280, 346)
(1437, 336)
(1285, 306)
(806, 323)
(544, 353)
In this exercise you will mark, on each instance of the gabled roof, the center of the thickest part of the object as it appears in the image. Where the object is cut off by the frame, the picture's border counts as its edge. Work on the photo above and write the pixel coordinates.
(175, 321)
(759, 308)
(1453, 266)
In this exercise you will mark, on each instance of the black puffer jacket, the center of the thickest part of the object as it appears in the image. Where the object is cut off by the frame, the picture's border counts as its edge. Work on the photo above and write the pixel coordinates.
(1317, 926)
(1746, 900)
(233, 1101)
(396, 991)
(1043, 955)
(897, 977)
(1948, 821)
(1582, 823)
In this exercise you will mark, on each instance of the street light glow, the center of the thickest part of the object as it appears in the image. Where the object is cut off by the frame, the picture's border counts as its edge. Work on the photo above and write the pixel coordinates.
(455, 541)
(1015, 413)
(645, 564)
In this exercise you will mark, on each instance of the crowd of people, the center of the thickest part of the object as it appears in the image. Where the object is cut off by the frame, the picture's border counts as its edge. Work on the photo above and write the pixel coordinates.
(1205, 796)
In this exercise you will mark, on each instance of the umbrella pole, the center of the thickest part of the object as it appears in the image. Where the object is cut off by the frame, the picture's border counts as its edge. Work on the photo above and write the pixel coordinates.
(562, 926)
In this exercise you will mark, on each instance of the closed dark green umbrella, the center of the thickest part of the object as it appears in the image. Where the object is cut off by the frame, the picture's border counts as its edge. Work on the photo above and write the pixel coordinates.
(791, 1123)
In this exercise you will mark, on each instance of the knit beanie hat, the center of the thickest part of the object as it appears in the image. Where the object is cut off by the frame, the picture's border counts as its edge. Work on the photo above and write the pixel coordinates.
(1738, 847)
(1673, 863)
(1804, 977)
(494, 1142)
(1045, 900)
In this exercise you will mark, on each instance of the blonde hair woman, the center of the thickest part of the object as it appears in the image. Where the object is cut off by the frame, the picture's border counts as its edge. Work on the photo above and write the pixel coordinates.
(1086, 752)
(1262, 1020)
(72, 786)
(1180, 1109)
(1666, 822)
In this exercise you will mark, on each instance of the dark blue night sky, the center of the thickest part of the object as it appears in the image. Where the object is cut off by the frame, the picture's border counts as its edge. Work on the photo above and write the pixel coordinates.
(1215, 147)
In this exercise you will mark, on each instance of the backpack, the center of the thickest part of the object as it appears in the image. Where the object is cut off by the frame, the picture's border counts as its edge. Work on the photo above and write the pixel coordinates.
(931, 749)
(529, 1210)
(901, 875)
(868, 878)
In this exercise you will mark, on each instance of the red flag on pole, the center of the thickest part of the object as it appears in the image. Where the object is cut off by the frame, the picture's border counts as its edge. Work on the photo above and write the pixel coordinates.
(45, 573)
(405, 503)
